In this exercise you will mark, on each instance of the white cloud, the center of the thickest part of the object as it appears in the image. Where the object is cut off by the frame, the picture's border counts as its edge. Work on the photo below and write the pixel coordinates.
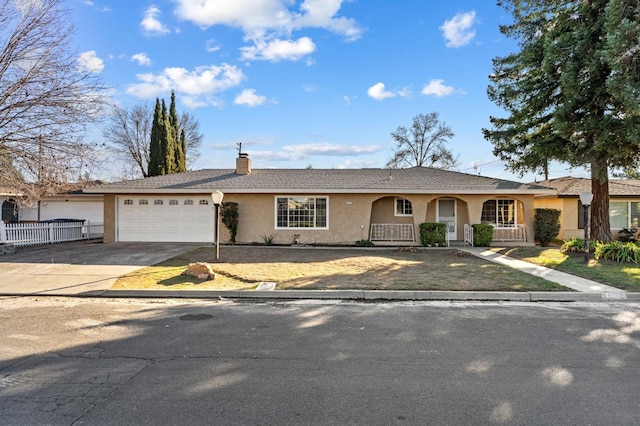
(196, 88)
(437, 88)
(89, 61)
(141, 58)
(150, 23)
(357, 164)
(458, 31)
(249, 98)
(212, 46)
(331, 149)
(378, 92)
(276, 50)
(266, 22)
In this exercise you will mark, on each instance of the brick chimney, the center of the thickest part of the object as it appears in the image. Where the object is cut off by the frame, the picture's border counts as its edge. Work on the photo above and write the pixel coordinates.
(243, 164)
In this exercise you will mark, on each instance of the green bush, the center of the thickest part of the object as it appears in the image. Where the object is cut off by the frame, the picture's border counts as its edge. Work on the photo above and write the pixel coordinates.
(229, 214)
(482, 234)
(576, 245)
(432, 234)
(546, 225)
(364, 243)
(616, 251)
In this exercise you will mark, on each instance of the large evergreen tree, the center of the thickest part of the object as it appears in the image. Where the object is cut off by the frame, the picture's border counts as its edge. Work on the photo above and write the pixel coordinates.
(155, 144)
(571, 93)
(179, 144)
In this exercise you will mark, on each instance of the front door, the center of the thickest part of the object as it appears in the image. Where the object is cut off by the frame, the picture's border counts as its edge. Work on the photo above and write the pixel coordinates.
(447, 215)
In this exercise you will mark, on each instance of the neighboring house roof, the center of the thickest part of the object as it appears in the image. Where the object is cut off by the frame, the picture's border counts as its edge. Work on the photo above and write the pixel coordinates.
(412, 180)
(572, 187)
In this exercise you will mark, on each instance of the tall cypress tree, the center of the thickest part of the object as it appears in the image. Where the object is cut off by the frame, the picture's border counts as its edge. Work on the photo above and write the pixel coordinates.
(155, 144)
(168, 164)
(179, 147)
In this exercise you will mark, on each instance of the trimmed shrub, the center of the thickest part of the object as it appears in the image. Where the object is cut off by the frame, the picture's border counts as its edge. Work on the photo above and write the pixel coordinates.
(432, 233)
(546, 225)
(482, 234)
(364, 243)
(229, 215)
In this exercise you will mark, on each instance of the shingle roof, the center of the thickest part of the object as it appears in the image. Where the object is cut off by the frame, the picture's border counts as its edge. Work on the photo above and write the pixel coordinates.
(572, 187)
(413, 180)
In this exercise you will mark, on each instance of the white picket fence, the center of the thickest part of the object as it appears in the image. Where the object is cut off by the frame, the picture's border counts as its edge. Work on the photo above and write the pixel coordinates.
(26, 233)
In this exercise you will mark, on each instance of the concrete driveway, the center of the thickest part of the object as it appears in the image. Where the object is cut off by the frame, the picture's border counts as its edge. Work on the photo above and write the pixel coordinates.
(79, 268)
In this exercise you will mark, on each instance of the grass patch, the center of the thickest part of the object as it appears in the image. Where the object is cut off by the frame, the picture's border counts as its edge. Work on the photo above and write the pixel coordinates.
(625, 276)
(243, 267)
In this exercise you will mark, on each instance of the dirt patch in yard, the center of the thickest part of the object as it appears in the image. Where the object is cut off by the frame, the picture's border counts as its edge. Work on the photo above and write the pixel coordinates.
(243, 267)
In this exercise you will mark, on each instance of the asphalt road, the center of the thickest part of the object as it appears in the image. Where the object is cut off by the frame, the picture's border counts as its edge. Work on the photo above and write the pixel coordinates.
(154, 362)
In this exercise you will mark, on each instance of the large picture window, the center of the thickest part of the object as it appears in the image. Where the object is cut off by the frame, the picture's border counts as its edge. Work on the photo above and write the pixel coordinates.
(499, 213)
(301, 212)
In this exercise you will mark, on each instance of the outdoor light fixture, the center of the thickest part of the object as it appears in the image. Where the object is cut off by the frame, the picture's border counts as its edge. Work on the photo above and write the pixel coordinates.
(586, 198)
(217, 197)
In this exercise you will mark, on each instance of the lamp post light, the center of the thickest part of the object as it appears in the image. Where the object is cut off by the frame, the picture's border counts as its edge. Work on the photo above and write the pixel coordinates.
(217, 197)
(586, 198)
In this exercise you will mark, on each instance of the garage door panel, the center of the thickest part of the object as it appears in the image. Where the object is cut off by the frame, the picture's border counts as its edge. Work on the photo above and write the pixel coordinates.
(166, 222)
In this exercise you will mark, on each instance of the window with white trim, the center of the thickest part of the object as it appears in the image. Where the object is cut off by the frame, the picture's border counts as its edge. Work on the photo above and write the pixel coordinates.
(624, 214)
(128, 202)
(204, 202)
(301, 212)
(173, 202)
(188, 202)
(143, 202)
(500, 213)
(158, 202)
(403, 207)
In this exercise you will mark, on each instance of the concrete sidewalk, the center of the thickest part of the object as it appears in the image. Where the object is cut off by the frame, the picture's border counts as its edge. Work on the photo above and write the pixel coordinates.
(571, 281)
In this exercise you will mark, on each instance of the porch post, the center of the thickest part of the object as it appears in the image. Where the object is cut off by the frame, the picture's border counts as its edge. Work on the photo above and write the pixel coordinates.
(3, 232)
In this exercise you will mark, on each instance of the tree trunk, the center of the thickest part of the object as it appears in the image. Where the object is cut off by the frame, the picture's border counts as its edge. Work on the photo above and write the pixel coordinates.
(599, 223)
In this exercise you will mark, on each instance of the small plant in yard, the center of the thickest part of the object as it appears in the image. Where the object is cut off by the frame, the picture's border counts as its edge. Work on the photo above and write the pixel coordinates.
(482, 234)
(433, 234)
(364, 243)
(546, 225)
(268, 239)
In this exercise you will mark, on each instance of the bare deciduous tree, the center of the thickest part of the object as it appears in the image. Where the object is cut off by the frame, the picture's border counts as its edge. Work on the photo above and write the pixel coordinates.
(424, 145)
(128, 131)
(46, 97)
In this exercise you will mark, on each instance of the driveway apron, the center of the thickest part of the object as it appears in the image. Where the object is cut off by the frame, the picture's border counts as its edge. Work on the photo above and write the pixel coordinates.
(86, 268)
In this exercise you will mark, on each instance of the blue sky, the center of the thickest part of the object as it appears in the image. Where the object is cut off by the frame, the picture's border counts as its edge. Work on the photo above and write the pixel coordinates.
(311, 82)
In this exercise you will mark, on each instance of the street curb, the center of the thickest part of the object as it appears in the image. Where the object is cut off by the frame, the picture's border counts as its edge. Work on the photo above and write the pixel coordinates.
(380, 295)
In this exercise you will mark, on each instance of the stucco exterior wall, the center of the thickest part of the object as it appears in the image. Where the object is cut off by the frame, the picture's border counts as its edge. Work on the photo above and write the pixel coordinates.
(351, 215)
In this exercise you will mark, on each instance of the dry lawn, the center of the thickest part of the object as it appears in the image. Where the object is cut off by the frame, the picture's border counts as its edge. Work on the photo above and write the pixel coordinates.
(243, 267)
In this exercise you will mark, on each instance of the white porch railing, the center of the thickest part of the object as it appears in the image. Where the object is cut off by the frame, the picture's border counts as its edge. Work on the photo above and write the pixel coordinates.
(24, 234)
(516, 233)
(391, 232)
(468, 234)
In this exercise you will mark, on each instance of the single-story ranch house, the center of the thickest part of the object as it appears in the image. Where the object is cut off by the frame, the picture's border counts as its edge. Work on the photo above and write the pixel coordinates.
(317, 206)
(624, 204)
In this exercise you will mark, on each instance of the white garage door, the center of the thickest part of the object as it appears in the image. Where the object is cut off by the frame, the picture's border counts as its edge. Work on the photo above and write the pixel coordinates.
(165, 218)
